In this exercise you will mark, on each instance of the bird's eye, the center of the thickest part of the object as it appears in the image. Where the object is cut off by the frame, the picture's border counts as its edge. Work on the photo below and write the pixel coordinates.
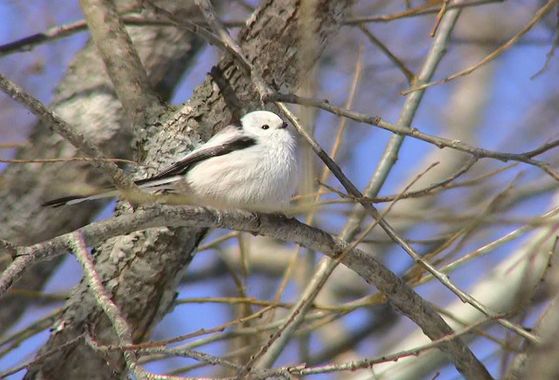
(265, 126)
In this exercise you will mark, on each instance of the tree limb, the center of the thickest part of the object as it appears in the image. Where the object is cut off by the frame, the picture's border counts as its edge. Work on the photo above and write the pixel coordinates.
(85, 99)
(279, 227)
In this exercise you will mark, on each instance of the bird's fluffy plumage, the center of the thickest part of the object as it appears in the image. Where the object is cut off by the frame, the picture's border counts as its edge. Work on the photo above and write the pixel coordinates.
(252, 167)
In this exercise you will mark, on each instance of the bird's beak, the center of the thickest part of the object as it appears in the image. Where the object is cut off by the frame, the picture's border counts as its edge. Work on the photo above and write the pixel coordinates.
(284, 125)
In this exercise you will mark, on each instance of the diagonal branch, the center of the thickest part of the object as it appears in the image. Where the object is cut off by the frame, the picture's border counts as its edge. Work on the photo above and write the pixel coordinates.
(279, 227)
(57, 124)
(438, 141)
(151, 262)
(85, 99)
(123, 65)
(100, 293)
(463, 358)
(546, 8)
(60, 31)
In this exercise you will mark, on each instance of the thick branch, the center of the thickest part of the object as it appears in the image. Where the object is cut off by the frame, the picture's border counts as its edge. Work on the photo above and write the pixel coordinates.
(121, 60)
(465, 362)
(279, 227)
(85, 99)
(101, 295)
(150, 262)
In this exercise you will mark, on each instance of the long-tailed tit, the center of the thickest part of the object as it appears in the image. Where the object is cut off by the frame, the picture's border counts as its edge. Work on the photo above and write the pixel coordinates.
(251, 166)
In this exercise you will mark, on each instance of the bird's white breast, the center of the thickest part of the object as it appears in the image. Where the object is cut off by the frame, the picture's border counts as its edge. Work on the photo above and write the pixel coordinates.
(261, 177)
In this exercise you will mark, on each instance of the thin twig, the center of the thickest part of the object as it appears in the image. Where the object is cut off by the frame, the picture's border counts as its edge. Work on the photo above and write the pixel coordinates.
(551, 53)
(60, 31)
(128, 76)
(497, 52)
(12, 145)
(403, 297)
(440, 142)
(65, 30)
(208, 11)
(419, 11)
(196, 355)
(39, 358)
(200, 30)
(119, 178)
(215, 243)
(34, 328)
(369, 363)
(200, 332)
(440, 15)
(491, 246)
(393, 58)
(443, 184)
(461, 355)
(103, 299)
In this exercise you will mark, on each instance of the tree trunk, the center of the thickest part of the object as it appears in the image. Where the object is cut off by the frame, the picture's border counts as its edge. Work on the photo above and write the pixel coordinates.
(141, 270)
(86, 100)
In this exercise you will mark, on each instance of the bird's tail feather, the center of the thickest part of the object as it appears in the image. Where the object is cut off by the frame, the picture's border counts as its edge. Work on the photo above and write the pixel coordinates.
(75, 199)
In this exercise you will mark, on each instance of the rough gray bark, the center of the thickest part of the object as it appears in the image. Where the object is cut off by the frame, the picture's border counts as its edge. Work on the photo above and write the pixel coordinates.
(86, 100)
(141, 270)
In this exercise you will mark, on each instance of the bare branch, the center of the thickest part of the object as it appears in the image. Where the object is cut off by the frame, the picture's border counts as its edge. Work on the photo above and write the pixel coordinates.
(440, 142)
(397, 61)
(279, 227)
(474, 368)
(119, 178)
(100, 293)
(52, 34)
(123, 65)
(497, 52)
(369, 363)
(419, 11)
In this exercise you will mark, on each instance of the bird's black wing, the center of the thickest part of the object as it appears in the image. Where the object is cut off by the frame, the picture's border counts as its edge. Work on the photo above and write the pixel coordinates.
(61, 201)
(178, 168)
(182, 166)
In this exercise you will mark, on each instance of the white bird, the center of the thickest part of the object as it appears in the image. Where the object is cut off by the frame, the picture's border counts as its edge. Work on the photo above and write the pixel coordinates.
(251, 166)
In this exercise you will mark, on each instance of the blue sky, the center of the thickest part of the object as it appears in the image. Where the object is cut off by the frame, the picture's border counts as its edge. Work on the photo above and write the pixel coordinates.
(505, 126)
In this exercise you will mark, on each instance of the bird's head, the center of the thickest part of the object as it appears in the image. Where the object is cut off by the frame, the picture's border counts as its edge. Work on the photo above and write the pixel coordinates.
(263, 123)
